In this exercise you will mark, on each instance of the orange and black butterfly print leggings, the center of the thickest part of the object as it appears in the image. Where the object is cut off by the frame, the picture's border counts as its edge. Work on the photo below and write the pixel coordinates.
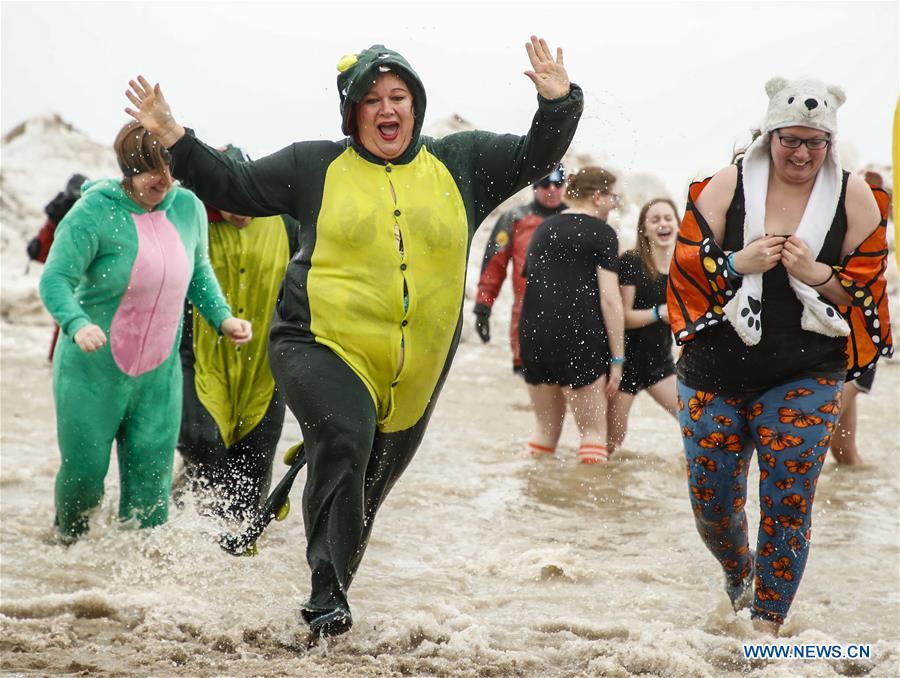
(790, 426)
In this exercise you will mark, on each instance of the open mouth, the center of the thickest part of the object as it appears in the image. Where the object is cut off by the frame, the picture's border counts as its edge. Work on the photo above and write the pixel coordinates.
(389, 131)
(664, 232)
(154, 193)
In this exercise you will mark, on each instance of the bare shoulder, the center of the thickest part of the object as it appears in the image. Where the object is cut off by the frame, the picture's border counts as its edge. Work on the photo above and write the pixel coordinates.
(863, 215)
(860, 202)
(713, 202)
(720, 188)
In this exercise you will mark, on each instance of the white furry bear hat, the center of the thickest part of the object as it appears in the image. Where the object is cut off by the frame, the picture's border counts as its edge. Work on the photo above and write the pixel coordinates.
(805, 103)
(792, 103)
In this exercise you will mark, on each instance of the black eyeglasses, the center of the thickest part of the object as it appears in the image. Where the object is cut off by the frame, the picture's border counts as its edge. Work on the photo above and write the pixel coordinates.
(546, 183)
(816, 144)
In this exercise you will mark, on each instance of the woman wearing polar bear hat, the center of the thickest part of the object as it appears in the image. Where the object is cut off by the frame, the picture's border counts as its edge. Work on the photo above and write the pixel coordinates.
(777, 293)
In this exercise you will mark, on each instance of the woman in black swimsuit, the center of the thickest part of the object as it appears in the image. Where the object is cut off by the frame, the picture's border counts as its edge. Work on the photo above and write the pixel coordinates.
(643, 274)
(571, 329)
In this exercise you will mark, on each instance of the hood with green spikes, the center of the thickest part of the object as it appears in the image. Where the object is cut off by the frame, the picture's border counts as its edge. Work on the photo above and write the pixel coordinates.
(357, 73)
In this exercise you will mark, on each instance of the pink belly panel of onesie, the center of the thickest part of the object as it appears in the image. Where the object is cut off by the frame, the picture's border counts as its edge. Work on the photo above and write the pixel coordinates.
(142, 333)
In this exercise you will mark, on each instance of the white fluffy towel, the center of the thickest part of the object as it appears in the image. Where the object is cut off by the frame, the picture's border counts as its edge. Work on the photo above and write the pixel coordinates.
(787, 108)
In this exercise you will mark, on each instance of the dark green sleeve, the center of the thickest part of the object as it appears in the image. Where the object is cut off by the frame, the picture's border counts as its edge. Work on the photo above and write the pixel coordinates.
(280, 183)
(489, 167)
(292, 226)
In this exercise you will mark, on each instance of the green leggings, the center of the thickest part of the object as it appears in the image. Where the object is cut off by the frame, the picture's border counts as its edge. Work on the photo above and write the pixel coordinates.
(97, 403)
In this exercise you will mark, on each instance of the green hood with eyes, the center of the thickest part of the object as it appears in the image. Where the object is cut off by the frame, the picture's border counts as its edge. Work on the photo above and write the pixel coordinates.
(358, 72)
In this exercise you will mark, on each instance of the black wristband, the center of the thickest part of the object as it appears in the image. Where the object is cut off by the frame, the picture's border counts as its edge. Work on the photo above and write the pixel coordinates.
(827, 280)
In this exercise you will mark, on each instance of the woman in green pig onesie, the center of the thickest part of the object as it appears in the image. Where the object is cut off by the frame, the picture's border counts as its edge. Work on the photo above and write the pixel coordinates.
(369, 315)
(123, 260)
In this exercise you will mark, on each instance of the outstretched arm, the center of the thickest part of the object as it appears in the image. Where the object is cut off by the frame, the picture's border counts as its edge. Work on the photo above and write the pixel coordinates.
(502, 164)
(266, 187)
(153, 111)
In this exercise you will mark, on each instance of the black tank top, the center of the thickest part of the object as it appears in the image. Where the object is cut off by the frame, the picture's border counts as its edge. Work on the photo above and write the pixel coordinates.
(717, 360)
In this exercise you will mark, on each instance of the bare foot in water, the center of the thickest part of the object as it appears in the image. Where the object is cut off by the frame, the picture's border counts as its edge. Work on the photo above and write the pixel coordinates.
(767, 627)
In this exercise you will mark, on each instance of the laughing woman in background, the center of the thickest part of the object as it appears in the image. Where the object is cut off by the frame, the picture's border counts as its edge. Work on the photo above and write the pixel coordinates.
(643, 275)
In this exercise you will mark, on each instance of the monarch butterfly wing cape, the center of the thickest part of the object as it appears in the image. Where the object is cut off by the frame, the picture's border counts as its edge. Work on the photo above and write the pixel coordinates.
(862, 273)
(699, 282)
(700, 286)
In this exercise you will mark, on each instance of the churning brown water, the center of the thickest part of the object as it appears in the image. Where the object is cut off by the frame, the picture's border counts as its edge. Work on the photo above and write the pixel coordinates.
(482, 563)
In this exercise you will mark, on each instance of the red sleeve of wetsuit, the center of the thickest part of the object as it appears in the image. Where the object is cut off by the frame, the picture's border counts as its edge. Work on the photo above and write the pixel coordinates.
(496, 258)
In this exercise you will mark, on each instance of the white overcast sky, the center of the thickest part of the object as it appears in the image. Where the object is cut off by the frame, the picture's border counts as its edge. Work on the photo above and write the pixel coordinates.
(670, 87)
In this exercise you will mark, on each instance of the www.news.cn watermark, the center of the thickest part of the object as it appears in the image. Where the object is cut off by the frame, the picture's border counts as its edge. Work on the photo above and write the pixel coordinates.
(806, 651)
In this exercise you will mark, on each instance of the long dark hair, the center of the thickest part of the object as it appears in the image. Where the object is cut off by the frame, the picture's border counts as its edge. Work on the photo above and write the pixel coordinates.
(642, 245)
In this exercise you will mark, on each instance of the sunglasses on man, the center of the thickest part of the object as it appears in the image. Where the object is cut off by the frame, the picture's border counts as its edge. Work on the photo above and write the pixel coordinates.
(546, 182)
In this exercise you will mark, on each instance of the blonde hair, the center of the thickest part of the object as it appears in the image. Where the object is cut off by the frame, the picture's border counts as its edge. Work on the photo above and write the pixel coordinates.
(588, 180)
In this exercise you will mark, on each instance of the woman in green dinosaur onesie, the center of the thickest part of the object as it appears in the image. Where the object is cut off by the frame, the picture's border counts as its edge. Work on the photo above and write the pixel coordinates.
(123, 259)
(369, 314)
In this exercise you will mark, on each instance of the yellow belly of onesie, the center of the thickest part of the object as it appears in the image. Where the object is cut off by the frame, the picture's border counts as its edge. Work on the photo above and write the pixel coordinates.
(358, 275)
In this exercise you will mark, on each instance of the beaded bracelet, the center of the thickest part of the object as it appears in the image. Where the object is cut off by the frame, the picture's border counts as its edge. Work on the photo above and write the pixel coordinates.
(729, 264)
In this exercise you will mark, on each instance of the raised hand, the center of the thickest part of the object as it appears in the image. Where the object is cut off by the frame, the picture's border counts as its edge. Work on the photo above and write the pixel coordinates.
(153, 111)
(548, 75)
